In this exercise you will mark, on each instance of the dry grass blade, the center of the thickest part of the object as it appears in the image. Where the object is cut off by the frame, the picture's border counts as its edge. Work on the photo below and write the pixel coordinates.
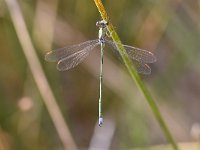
(39, 76)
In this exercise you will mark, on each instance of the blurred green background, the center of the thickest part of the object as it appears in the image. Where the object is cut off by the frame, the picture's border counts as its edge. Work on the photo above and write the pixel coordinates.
(170, 29)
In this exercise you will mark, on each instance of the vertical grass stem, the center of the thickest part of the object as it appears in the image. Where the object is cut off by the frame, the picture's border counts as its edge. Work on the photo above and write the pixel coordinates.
(135, 76)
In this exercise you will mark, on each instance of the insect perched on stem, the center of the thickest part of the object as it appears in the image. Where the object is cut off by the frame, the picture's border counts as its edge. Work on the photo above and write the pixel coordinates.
(70, 56)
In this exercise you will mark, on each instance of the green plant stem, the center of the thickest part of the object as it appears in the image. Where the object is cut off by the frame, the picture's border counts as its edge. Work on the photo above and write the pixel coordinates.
(135, 76)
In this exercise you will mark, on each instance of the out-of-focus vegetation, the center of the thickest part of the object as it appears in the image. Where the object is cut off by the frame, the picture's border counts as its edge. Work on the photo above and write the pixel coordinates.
(170, 29)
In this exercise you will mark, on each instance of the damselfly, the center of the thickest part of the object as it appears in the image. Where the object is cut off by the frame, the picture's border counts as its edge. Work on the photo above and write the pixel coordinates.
(70, 56)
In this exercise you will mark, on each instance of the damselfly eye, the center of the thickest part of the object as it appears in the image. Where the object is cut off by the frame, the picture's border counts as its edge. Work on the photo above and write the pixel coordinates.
(97, 24)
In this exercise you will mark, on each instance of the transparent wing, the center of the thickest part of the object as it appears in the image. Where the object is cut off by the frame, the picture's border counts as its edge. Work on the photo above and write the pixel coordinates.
(76, 58)
(134, 53)
(58, 54)
(142, 68)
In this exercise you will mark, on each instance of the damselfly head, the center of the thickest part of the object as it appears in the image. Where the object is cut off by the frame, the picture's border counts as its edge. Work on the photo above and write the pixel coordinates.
(101, 24)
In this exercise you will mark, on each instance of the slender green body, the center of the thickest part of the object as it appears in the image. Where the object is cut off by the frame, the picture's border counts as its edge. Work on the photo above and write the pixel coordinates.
(100, 85)
(102, 35)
